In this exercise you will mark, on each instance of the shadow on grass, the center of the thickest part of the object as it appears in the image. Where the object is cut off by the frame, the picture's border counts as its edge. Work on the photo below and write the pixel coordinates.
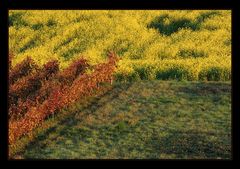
(72, 138)
(204, 88)
(191, 144)
(70, 122)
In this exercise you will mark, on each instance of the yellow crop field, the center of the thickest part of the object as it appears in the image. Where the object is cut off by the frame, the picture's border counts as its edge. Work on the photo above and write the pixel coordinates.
(153, 44)
(119, 84)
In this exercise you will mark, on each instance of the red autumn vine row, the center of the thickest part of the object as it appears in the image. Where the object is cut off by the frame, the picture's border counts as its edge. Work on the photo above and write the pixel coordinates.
(70, 85)
(35, 87)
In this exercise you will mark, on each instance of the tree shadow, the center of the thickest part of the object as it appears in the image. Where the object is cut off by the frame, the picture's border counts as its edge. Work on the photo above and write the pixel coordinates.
(16, 19)
(207, 15)
(175, 25)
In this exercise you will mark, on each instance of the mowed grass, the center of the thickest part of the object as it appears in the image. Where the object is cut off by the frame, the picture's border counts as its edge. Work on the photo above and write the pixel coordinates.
(143, 120)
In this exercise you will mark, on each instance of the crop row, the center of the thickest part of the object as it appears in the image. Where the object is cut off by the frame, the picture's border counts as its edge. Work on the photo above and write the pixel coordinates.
(55, 93)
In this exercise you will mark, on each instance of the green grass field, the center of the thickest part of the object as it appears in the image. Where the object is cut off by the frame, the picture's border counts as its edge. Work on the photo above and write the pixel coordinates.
(171, 97)
(141, 120)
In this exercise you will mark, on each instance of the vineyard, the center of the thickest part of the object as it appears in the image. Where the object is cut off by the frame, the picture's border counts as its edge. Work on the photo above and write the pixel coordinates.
(61, 61)
(38, 93)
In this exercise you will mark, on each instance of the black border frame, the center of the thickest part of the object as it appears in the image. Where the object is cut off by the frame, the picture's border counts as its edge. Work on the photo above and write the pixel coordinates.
(121, 4)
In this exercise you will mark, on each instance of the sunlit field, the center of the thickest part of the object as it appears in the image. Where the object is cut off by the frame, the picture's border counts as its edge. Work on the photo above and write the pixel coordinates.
(120, 84)
(191, 45)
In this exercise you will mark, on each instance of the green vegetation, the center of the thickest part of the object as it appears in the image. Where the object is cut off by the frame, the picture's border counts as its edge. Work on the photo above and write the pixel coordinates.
(170, 99)
(141, 120)
(159, 44)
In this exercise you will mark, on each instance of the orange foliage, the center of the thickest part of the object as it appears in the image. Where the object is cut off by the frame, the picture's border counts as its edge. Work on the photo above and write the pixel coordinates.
(76, 84)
